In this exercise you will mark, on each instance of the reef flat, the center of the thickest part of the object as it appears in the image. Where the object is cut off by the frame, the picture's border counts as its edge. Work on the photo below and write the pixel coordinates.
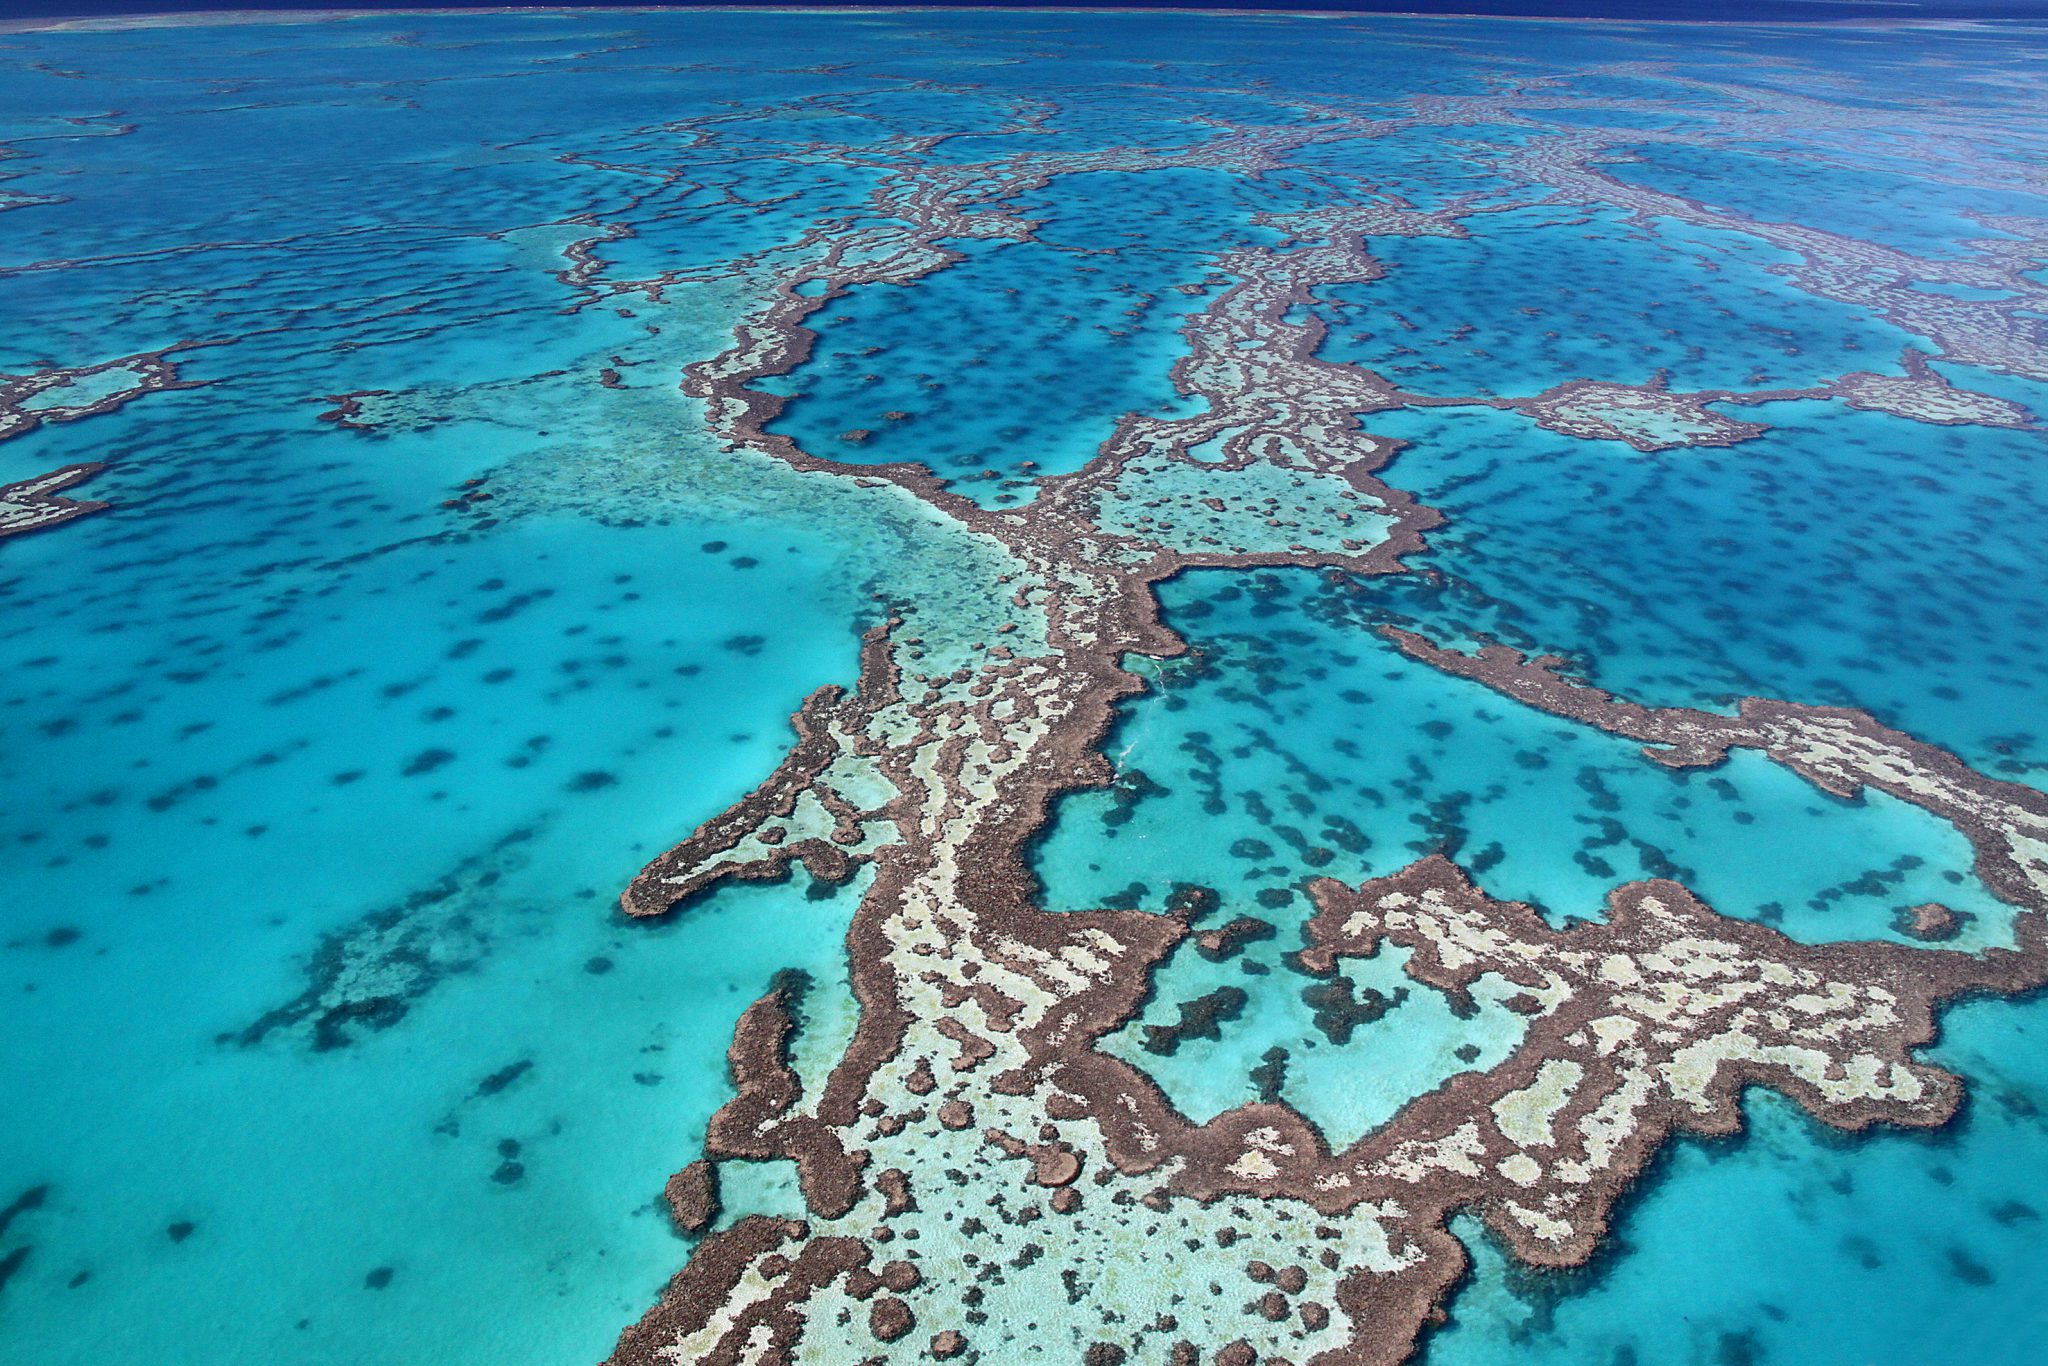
(1196, 916)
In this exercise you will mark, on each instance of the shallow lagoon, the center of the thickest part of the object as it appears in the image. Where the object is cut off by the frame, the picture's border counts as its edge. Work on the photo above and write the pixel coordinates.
(1296, 744)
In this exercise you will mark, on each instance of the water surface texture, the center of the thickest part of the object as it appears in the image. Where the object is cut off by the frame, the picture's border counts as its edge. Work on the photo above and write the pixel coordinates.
(1022, 686)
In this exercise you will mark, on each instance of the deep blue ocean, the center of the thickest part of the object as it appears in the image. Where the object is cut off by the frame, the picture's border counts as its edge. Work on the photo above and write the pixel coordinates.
(1682, 11)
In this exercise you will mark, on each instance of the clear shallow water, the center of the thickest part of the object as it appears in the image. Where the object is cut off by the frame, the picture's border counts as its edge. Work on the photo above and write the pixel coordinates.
(1507, 312)
(890, 379)
(438, 764)
(1293, 727)
(319, 1031)
(1295, 744)
(1018, 360)
(1794, 1243)
(1901, 211)
(1846, 557)
(321, 801)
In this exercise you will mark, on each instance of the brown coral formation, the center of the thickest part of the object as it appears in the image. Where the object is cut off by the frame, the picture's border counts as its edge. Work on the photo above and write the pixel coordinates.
(33, 504)
(1226, 940)
(1651, 417)
(692, 1196)
(1837, 749)
(1651, 1020)
(972, 1105)
(1648, 417)
(58, 394)
(1931, 921)
(938, 767)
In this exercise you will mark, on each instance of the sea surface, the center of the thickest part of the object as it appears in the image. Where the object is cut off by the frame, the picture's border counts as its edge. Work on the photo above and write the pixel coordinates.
(321, 1037)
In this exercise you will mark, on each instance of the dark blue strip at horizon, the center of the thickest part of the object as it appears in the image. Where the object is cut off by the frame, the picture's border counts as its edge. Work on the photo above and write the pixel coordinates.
(1723, 11)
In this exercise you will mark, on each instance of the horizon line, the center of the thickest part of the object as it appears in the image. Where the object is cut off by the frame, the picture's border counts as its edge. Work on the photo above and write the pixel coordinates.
(227, 15)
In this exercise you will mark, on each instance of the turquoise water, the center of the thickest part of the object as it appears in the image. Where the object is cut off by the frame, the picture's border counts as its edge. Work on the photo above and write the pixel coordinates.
(1291, 729)
(1791, 1243)
(890, 379)
(1509, 312)
(311, 847)
(1860, 580)
(1292, 744)
(1085, 320)
(322, 792)
(322, 1040)
(1909, 212)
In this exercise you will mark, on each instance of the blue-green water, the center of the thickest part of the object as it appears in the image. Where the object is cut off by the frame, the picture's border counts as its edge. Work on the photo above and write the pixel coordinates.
(1851, 558)
(1792, 1243)
(1506, 312)
(319, 1033)
(1296, 745)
